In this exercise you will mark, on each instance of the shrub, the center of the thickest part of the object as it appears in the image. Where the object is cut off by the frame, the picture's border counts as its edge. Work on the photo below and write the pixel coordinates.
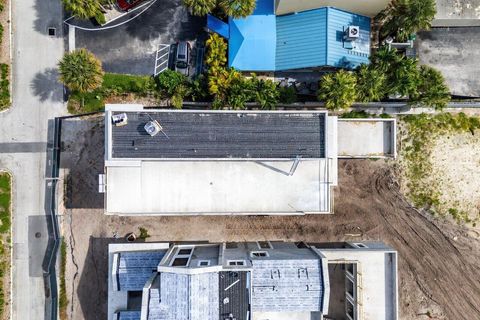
(432, 90)
(216, 56)
(266, 93)
(143, 233)
(338, 90)
(200, 7)
(83, 9)
(232, 8)
(168, 81)
(370, 84)
(199, 88)
(287, 95)
(237, 8)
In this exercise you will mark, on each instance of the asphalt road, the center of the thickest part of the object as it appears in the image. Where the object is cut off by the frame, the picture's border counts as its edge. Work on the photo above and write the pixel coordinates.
(37, 97)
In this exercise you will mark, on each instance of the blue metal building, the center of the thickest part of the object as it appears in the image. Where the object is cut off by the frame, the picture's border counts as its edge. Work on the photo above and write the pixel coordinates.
(309, 39)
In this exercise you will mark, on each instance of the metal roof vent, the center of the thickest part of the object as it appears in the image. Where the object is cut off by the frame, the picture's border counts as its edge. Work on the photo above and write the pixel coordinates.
(120, 120)
(352, 33)
(153, 127)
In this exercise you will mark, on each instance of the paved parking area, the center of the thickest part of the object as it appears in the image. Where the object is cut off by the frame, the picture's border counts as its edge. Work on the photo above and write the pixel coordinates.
(131, 47)
(456, 13)
(455, 52)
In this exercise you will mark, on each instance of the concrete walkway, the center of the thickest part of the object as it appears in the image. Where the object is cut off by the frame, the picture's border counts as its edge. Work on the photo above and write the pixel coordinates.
(37, 97)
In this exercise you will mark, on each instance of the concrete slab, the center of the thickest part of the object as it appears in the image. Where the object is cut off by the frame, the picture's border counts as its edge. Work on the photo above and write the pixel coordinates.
(455, 13)
(218, 187)
(366, 138)
(455, 52)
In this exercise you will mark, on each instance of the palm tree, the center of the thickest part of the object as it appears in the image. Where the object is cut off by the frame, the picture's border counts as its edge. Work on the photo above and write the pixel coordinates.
(404, 78)
(81, 71)
(83, 9)
(433, 92)
(338, 90)
(237, 8)
(404, 17)
(266, 93)
(200, 7)
(370, 83)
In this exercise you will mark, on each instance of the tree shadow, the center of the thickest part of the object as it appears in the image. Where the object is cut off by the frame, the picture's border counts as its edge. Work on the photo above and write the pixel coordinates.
(49, 14)
(167, 20)
(46, 86)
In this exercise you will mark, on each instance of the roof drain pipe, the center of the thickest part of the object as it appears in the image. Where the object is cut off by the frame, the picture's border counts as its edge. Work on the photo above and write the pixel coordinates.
(294, 165)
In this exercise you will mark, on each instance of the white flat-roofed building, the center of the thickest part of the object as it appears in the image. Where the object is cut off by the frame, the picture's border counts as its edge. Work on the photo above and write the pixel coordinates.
(219, 162)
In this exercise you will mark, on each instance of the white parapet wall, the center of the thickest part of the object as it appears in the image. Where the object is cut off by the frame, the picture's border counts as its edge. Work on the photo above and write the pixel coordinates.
(367, 138)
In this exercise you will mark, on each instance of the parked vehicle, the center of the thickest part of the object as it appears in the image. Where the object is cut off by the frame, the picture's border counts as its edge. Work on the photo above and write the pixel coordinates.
(182, 58)
(126, 5)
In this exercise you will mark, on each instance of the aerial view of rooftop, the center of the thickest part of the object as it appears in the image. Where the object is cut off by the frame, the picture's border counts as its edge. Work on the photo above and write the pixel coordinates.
(239, 160)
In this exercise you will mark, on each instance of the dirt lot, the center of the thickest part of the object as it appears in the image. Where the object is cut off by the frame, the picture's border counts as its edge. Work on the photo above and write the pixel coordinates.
(456, 167)
(438, 260)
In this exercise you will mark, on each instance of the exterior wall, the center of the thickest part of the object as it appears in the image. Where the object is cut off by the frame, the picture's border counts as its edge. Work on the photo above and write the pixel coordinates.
(376, 275)
(368, 8)
(117, 300)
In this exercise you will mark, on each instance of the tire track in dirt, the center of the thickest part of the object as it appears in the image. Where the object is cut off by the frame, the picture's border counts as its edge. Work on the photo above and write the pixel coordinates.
(445, 273)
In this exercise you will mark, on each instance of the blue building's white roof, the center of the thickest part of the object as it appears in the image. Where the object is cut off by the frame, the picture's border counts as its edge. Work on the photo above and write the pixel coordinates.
(314, 38)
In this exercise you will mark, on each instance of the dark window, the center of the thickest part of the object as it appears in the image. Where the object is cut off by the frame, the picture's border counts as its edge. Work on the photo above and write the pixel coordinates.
(259, 254)
(350, 311)
(350, 287)
(134, 300)
(236, 263)
(184, 252)
(182, 65)
(301, 245)
(264, 244)
(204, 263)
(180, 262)
(361, 245)
(231, 245)
(350, 268)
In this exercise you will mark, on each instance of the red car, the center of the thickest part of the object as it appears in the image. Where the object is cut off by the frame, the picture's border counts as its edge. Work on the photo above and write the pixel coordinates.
(126, 5)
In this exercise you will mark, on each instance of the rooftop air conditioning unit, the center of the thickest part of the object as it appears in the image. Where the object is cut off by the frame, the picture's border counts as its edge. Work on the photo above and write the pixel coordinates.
(352, 33)
(153, 127)
(120, 119)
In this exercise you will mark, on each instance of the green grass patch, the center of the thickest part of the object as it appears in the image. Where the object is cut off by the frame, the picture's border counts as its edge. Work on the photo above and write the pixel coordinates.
(4, 86)
(124, 83)
(63, 300)
(422, 130)
(113, 85)
(5, 219)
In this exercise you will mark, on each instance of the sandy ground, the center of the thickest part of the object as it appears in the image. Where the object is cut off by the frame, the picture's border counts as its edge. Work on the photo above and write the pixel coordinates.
(456, 168)
(438, 260)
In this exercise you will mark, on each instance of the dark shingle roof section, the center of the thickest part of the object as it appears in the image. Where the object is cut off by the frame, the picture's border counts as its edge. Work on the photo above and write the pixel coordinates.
(233, 294)
(261, 135)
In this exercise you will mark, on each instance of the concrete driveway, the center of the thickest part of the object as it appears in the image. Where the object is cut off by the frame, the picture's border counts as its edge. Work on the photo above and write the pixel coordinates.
(455, 52)
(131, 47)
